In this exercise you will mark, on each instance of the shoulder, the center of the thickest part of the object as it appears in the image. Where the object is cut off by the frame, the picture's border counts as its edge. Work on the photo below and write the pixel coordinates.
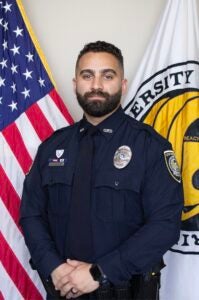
(149, 133)
(64, 133)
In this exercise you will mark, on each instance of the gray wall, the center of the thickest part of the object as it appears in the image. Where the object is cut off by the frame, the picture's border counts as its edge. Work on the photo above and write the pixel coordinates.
(64, 26)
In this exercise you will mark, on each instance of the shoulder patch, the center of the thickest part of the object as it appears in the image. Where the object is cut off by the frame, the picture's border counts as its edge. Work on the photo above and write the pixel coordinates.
(172, 165)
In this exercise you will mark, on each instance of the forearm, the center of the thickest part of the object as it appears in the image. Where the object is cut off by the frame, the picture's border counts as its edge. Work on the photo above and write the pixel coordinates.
(40, 244)
(141, 251)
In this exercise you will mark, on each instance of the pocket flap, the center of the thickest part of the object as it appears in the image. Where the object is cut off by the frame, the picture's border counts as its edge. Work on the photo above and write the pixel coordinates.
(51, 177)
(121, 180)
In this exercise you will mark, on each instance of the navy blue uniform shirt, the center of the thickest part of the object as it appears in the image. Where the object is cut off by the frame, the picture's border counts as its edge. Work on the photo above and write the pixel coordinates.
(136, 208)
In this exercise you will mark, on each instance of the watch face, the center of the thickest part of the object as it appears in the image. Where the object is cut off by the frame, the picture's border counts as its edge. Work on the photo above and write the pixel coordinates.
(96, 273)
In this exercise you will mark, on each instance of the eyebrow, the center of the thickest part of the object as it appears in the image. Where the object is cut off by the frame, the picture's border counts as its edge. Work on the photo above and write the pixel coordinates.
(102, 71)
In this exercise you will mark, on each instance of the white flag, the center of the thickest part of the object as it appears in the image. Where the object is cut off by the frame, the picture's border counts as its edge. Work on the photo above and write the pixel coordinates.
(165, 94)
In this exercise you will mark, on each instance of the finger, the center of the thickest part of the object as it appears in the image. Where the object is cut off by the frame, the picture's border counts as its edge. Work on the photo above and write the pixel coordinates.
(73, 293)
(63, 281)
(65, 289)
(73, 296)
(77, 295)
(74, 263)
(61, 284)
(69, 295)
(74, 290)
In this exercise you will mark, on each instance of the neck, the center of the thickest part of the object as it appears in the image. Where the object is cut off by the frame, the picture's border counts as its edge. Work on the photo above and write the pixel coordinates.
(97, 120)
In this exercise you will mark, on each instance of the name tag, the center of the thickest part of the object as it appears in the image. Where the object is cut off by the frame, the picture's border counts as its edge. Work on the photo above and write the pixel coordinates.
(56, 162)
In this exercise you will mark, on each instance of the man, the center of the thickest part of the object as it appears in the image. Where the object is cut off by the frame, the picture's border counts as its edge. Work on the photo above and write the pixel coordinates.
(93, 235)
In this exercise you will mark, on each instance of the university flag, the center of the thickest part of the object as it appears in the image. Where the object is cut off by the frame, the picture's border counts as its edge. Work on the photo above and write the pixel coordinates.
(165, 94)
(30, 111)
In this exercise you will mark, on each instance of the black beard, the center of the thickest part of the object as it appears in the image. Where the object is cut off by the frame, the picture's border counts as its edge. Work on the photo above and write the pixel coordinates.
(99, 108)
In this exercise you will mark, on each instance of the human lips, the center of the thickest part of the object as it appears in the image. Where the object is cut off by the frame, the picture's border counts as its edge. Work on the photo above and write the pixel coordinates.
(96, 96)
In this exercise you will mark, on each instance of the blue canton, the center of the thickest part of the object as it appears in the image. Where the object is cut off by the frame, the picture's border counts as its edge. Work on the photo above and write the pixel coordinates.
(23, 78)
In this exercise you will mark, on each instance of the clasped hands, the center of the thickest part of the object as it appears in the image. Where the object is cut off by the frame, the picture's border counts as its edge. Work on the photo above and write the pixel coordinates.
(73, 279)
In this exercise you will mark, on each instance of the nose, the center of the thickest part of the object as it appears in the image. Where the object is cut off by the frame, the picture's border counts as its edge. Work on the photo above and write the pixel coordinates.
(97, 83)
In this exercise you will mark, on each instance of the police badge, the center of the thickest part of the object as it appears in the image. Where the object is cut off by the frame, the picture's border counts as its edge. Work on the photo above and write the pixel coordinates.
(122, 157)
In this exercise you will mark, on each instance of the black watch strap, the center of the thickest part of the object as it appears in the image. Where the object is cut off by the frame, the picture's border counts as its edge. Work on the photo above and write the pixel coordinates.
(98, 275)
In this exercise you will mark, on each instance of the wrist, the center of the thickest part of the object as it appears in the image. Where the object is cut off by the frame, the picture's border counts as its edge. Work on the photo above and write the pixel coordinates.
(98, 275)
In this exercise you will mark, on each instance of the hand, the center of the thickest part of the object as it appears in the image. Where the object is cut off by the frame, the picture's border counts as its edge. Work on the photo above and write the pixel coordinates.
(79, 280)
(59, 275)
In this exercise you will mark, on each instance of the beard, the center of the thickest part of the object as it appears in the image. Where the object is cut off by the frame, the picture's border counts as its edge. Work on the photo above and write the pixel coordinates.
(99, 108)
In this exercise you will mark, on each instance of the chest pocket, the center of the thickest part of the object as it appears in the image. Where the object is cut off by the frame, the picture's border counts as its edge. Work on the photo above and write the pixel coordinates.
(58, 183)
(117, 196)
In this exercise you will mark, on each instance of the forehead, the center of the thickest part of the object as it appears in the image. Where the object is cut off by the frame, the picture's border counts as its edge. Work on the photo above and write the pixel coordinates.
(98, 61)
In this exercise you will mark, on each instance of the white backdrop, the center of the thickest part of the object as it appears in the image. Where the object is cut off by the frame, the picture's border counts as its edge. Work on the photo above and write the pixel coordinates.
(64, 26)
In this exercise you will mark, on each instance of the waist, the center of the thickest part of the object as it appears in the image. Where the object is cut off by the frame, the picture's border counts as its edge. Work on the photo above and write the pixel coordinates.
(136, 289)
(113, 292)
(108, 292)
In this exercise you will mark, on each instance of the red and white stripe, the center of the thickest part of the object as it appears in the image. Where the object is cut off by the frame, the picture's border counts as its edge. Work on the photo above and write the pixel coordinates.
(8, 288)
(18, 145)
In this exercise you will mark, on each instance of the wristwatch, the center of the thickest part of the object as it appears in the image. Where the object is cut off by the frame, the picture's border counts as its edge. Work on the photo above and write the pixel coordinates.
(98, 275)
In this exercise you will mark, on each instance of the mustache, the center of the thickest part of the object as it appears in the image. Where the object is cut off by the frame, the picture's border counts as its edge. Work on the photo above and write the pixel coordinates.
(96, 93)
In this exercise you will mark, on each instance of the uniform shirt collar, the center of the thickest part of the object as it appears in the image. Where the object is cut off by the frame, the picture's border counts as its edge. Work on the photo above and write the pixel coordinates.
(107, 127)
(83, 127)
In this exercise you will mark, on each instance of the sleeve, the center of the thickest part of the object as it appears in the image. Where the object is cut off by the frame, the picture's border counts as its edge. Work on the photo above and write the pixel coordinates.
(34, 222)
(162, 203)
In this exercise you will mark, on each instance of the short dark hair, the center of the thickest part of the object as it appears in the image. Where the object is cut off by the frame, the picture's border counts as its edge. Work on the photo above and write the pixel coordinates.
(101, 46)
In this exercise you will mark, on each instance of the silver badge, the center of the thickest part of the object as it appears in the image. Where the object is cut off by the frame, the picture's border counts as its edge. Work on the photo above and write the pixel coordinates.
(122, 157)
(59, 153)
(172, 165)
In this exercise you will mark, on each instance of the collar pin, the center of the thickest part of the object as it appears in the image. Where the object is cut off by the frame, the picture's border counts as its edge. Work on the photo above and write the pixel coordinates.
(107, 130)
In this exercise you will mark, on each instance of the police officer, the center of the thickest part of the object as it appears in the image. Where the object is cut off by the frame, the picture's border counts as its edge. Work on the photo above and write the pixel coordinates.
(90, 236)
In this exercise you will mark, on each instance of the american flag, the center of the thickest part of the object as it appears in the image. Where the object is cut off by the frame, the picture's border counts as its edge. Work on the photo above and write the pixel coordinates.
(30, 111)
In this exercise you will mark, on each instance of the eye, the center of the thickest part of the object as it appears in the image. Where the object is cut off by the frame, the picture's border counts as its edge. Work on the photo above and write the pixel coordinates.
(86, 76)
(108, 76)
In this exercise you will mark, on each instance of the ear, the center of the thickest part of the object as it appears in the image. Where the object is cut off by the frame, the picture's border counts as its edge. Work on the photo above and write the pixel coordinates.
(124, 86)
(74, 85)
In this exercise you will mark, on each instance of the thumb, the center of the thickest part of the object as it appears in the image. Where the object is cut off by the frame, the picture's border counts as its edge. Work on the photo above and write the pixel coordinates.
(73, 263)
